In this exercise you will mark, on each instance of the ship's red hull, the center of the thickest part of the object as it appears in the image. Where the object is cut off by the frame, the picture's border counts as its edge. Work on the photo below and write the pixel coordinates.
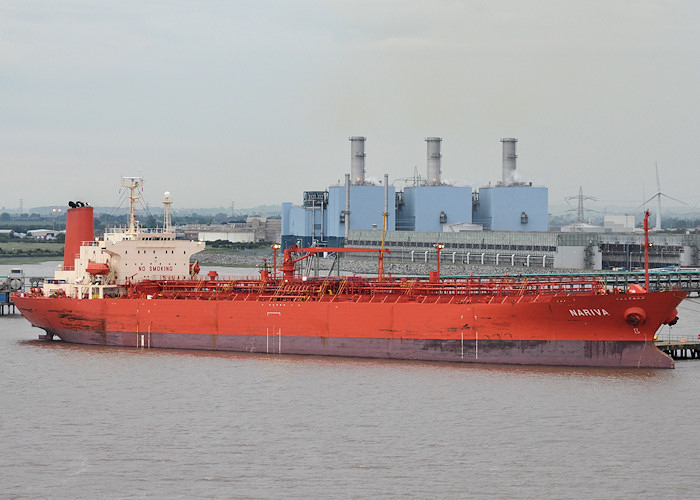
(556, 329)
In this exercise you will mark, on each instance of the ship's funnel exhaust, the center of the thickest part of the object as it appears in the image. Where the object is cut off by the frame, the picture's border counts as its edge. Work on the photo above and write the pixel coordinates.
(434, 157)
(509, 157)
(79, 228)
(357, 159)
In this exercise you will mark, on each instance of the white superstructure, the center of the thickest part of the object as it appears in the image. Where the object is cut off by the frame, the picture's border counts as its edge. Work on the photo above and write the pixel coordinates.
(131, 254)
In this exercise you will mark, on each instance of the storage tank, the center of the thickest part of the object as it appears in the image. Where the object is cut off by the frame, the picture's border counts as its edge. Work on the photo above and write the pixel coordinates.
(509, 157)
(434, 160)
(357, 159)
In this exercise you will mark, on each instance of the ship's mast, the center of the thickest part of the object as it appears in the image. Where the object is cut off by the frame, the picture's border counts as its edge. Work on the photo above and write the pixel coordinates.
(646, 246)
(132, 184)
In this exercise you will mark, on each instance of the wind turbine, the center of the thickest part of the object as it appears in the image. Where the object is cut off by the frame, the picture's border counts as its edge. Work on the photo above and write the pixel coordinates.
(658, 196)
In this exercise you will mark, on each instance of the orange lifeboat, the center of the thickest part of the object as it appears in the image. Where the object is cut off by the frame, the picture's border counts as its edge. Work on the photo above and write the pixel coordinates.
(95, 268)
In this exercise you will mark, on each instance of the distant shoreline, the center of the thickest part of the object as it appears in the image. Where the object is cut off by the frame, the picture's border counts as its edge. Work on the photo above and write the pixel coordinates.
(10, 260)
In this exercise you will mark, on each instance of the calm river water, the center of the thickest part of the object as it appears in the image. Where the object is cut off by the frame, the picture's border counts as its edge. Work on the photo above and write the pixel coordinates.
(92, 422)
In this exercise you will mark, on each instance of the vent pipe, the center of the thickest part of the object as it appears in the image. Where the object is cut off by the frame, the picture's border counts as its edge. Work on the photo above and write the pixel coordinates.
(434, 160)
(509, 157)
(347, 206)
(386, 194)
(357, 159)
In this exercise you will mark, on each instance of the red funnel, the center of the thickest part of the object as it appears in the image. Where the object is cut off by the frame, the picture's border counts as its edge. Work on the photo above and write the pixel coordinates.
(79, 228)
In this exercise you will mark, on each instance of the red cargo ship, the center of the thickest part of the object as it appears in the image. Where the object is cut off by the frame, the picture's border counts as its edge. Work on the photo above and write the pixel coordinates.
(137, 287)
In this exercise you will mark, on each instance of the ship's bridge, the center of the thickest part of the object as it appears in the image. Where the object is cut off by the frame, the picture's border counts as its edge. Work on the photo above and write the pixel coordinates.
(124, 234)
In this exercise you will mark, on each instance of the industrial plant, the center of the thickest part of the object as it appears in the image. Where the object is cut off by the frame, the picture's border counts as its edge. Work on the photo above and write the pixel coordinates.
(502, 223)
(328, 217)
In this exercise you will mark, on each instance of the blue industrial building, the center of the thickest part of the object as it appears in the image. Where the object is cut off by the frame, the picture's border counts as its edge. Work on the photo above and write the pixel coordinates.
(429, 208)
(326, 217)
(323, 218)
(511, 205)
(512, 208)
(366, 209)
(303, 224)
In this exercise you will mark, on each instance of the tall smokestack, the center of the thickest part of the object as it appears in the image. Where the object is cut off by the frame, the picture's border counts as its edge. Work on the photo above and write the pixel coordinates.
(434, 160)
(357, 159)
(509, 157)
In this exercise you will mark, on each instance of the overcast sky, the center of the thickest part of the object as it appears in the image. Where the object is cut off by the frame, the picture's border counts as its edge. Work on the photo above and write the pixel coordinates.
(252, 102)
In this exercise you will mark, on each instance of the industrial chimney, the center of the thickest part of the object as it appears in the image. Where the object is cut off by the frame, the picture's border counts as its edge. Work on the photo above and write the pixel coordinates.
(509, 157)
(434, 160)
(357, 159)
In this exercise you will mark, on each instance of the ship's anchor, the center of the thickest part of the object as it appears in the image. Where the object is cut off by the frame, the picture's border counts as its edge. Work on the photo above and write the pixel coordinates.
(635, 316)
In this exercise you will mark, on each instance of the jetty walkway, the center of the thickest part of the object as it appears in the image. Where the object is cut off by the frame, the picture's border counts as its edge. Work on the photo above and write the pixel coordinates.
(680, 349)
(14, 282)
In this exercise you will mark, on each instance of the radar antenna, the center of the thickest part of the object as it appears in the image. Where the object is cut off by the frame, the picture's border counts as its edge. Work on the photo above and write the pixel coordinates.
(167, 220)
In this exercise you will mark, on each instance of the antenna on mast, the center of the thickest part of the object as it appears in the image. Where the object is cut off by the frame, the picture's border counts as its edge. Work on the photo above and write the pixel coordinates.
(132, 184)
